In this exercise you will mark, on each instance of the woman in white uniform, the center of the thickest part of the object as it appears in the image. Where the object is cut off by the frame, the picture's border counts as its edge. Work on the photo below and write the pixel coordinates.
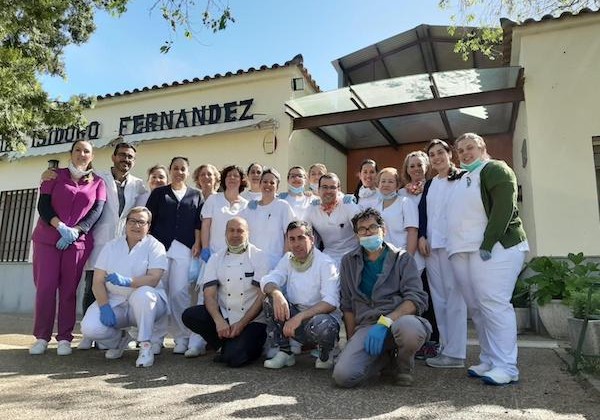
(399, 213)
(268, 218)
(487, 246)
(219, 208)
(448, 303)
(207, 179)
(295, 195)
(315, 172)
(366, 190)
(254, 173)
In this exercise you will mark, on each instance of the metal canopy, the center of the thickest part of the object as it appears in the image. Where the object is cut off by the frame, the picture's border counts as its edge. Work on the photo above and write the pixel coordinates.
(413, 108)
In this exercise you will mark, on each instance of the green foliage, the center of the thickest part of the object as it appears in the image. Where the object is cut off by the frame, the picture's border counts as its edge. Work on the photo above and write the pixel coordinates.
(559, 279)
(486, 14)
(580, 301)
(520, 297)
(33, 36)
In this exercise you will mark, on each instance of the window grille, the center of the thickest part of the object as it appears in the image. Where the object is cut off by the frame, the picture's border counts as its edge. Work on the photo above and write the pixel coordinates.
(17, 211)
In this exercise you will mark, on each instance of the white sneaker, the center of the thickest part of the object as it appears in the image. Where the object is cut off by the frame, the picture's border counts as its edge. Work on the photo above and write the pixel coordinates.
(117, 352)
(441, 361)
(195, 352)
(327, 364)
(497, 376)
(271, 352)
(39, 347)
(280, 360)
(180, 348)
(156, 348)
(64, 348)
(477, 371)
(85, 343)
(146, 355)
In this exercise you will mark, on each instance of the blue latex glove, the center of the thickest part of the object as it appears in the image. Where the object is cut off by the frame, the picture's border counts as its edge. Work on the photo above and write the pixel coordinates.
(194, 270)
(62, 244)
(68, 233)
(118, 280)
(107, 316)
(205, 254)
(253, 205)
(485, 255)
(376, 339)
(349, 198)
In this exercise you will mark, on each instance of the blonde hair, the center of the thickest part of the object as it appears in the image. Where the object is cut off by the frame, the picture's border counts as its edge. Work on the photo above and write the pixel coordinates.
(419, 154)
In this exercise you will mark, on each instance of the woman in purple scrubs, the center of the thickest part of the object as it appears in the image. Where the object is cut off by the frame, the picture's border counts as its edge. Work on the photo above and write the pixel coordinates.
(69, 205)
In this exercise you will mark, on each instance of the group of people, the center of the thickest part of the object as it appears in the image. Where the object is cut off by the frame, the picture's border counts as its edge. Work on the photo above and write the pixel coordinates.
(235, 266)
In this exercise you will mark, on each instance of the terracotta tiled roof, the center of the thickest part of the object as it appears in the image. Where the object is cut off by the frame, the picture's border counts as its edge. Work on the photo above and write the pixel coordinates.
(508, 25)
(298, 60)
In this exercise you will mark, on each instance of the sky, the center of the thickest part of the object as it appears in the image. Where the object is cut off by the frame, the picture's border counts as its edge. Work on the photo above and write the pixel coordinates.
(124, 53)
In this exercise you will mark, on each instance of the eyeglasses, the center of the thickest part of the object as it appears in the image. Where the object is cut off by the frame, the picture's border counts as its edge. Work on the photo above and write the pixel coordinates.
(373, 229)
(328, 187)
(137, 222)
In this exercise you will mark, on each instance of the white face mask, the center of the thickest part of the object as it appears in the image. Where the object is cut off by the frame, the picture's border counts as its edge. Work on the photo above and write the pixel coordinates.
(365, 192)
(77, 173)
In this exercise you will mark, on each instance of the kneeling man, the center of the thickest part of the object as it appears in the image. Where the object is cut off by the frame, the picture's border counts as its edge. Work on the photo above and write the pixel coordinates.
(303, 298)
(231, 318)
(128, 290)
(382, 296)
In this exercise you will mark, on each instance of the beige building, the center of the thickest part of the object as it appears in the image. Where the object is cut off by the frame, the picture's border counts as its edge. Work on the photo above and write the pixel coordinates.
(236, 118)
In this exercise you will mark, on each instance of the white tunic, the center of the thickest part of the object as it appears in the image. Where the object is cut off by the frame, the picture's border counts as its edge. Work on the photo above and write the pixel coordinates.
(370, 201)
(250, 195)
(466, 215)
(335, 229)
(116, 257)
(398, 216)
(298, 203)
(439, 192)
(414, 198)
(237, 278)
(267, 226)
(110, 225)
(218, 209)
(320, 283)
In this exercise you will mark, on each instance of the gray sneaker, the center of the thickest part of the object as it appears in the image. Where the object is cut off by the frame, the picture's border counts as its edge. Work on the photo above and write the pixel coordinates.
(442, 361)
(117, 352)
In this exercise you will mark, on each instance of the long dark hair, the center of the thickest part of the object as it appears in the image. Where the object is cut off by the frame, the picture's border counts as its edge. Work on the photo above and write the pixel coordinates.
(360, 184)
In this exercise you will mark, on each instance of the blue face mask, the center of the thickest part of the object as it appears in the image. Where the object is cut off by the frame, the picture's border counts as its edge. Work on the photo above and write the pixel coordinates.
(471, 166)
(371, 243)
(389, 196)
(296, 190)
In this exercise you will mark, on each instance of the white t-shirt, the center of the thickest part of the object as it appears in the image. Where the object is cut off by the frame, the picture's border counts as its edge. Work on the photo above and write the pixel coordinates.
(320, 283)
(336, 229)
(116, 257)
(298, 203)
(437, 207)
(414, 198)
(218, 209)
(398, 216)
(250, 195)
(267, 226)
(370, 201)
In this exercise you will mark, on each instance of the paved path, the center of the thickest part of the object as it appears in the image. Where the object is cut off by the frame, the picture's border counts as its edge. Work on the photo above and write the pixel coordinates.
(87, 386)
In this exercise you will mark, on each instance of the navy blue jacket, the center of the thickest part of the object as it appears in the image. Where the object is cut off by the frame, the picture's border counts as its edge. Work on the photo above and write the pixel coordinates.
(172, 219)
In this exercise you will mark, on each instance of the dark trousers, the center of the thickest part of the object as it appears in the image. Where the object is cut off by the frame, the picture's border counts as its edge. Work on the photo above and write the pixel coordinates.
(429, 314)
(88, 294)
(235, 352)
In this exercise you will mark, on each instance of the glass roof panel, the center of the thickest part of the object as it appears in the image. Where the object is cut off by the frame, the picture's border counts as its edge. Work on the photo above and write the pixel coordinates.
(406, 89)
(356, 135)
(415, 128)
(489, 119)
(463, 82)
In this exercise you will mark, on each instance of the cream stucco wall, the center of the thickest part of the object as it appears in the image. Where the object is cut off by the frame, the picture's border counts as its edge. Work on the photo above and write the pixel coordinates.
(559, 117)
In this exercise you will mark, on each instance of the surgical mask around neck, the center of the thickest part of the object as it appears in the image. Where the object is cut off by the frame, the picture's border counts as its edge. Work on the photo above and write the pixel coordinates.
(472, 166)
(296, 190)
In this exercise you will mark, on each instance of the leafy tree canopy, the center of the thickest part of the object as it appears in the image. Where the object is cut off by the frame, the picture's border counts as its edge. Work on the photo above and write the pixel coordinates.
(485, 14)
(33, 35)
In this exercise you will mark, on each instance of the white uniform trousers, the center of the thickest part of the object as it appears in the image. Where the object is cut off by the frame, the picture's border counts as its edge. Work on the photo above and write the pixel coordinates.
(487, 288)
(142, 309)
(448, 304)
(178, 290)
